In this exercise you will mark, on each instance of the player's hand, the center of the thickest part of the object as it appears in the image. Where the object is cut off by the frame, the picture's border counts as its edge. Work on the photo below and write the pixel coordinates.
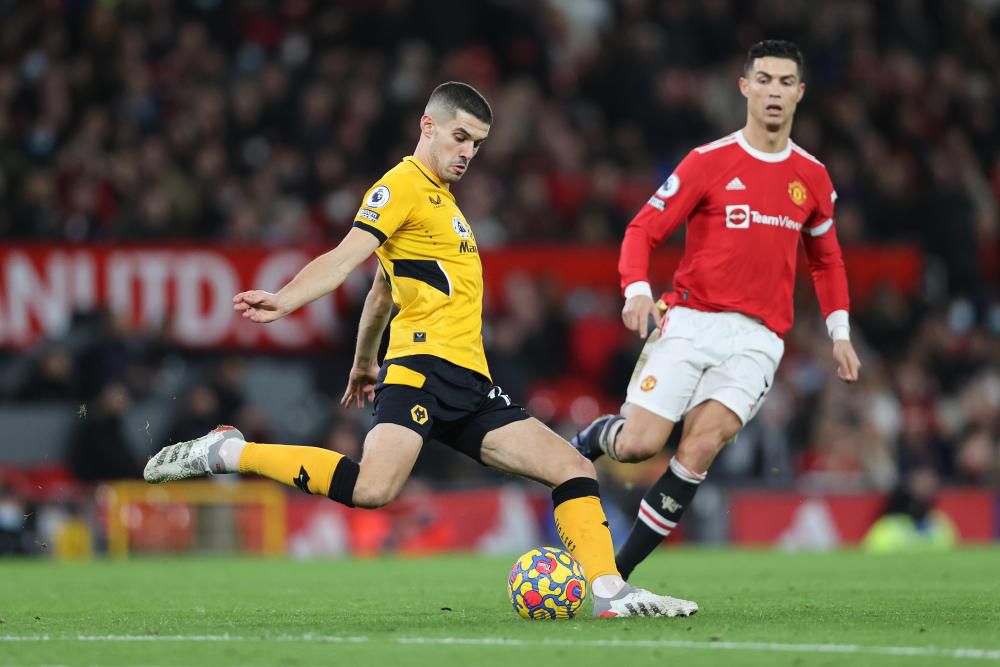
(360, 385)
(848, 365)
(637, 312)
(259, 306)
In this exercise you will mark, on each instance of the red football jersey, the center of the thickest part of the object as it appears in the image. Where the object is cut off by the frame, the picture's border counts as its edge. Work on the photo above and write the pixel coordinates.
(746, 211)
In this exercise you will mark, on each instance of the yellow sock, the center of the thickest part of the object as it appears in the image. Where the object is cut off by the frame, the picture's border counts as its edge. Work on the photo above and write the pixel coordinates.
(310, 469)
(581, 524)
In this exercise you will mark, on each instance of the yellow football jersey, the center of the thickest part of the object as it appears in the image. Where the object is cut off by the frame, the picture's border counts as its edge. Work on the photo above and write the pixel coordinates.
(429, 255)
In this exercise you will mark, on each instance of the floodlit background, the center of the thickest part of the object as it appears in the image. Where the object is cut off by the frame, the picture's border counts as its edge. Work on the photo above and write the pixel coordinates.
(157, 157)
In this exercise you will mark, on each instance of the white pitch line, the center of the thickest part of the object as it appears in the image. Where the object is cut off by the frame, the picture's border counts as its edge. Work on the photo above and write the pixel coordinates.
(910, 651)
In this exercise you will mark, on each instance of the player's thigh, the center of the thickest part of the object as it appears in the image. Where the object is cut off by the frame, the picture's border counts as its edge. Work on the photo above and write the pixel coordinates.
(668, 379)
(740, 383)
(390, 450)
(531, 449)
(404, 417)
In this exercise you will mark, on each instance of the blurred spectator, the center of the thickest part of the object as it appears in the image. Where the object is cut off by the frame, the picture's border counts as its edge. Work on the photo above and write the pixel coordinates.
(228, 383)
(197, 414)
(52, 378)
(530, 339)
(14, 534)
(909, 521)
(99, 449)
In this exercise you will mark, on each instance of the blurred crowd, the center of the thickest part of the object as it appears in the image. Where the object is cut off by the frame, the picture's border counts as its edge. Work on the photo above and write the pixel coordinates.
(261, 122)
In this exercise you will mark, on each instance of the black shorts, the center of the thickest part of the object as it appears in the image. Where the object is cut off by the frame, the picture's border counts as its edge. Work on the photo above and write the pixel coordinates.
(443, 402)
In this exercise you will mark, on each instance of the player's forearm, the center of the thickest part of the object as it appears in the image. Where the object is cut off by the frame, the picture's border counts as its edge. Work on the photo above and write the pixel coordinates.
(374, 318)
(328, 271)
(633, 263)
(317, 278)
(826, 265)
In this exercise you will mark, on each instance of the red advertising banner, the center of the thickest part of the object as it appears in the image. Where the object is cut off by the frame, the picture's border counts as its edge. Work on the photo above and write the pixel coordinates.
(494, 520)
(188, 288)
(815, 521)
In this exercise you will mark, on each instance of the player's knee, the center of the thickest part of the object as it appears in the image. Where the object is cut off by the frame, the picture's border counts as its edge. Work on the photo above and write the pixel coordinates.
(372, 496)
(572, 467)
(581, 467)
(632, 446)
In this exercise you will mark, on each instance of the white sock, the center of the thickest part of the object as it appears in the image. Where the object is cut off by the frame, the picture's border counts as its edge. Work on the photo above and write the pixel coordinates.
(607, 585)
(609, 438)
(686, 473)
(229, 454)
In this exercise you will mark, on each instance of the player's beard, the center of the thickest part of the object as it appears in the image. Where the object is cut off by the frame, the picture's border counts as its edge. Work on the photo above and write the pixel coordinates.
(450, 177)
(441, 166)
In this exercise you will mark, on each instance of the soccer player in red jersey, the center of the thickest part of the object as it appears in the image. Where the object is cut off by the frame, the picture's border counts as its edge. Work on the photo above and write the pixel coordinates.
(748, 199)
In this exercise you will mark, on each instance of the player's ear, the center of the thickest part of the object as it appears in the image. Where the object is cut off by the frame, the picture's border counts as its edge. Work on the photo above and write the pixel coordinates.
(744, 86)
(427, 125)
(802, 92)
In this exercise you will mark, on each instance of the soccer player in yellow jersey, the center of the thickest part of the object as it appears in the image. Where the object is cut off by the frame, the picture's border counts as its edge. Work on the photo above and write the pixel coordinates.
(434, 382)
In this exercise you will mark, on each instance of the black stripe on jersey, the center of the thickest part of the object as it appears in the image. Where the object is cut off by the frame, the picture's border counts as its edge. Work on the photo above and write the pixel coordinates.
(385, 274)
(424, 270)
(433, 182)
(382, 238)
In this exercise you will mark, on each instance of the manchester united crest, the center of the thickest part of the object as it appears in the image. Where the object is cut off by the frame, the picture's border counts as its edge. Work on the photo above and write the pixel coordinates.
(797, 192)
(648, 383)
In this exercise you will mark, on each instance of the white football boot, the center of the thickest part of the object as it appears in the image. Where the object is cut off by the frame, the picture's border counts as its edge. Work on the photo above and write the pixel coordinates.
(194, 458)
(632, 602)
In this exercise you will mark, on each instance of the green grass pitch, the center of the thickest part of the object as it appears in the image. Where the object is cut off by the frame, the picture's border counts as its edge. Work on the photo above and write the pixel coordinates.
(758, 608)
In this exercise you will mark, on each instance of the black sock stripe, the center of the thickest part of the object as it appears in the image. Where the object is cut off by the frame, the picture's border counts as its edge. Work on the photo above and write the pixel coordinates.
(345, 477)
(578, 487)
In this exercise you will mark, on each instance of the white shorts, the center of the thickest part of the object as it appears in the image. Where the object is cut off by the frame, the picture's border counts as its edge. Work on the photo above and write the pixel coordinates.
(699, 356)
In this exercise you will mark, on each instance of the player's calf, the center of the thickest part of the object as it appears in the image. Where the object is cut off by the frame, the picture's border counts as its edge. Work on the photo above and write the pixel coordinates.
(633, 443)
(660, 510)
(224, 450)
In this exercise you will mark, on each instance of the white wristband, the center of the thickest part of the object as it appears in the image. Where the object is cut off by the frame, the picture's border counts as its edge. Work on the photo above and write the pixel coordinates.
(838, 325)
(638, 288)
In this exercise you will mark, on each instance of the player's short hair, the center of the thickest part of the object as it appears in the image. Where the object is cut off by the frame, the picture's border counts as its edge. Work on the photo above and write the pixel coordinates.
(455, 96)
(775, 48)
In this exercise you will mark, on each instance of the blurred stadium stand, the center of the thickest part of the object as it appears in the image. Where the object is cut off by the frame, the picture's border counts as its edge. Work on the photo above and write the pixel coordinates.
(143, 140)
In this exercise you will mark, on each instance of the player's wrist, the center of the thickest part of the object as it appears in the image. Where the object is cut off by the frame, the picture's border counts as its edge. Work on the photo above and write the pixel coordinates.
(286, 301)
(838, 325)
(638, 288)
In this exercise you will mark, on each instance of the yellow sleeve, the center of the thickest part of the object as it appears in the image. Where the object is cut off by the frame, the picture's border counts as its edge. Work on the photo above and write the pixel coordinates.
(386, 206)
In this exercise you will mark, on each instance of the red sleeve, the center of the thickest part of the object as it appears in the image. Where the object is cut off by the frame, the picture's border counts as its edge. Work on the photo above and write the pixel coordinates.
(665, 211)
(826, 264)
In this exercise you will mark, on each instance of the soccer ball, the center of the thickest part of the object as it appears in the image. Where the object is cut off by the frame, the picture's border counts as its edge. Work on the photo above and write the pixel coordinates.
(547, 583)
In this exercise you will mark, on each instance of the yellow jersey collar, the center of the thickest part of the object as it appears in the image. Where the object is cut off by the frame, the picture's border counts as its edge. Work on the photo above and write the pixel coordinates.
(425, 171)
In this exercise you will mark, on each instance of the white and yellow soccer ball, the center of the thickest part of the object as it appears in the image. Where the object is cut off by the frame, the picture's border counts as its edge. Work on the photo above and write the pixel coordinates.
(547, 583)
